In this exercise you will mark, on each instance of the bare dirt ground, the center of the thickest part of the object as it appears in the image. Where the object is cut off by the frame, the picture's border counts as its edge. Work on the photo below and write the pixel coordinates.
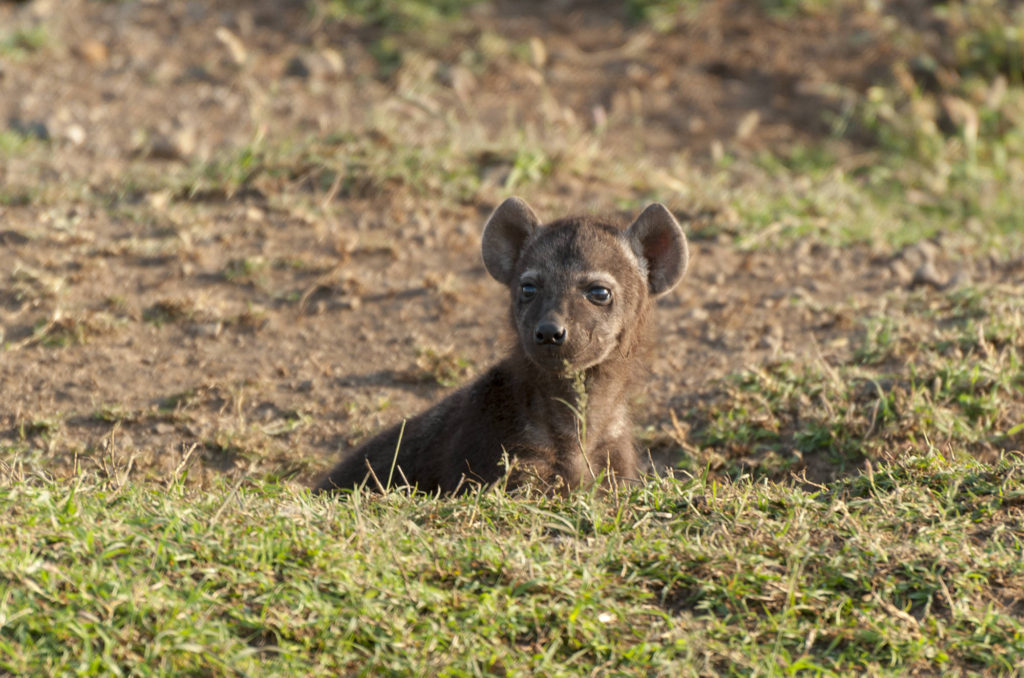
(162, 293)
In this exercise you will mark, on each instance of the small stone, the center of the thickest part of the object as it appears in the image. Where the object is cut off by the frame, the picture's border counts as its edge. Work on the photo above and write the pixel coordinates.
(927, 274)
(185, 141)
(298, 68)
(177, 145)
(75, 134)
(920, 253)
(92, 52)
(323, 65)
(959, 279)
(772, 338)
(12, 237)
(717, 150)
(208, 330)
(462, 80)
(159, 200)
(748, 124)
(333, 60)
(538, 52)
(234, 45)
(698, 314)
(802, 294)
(900, 271)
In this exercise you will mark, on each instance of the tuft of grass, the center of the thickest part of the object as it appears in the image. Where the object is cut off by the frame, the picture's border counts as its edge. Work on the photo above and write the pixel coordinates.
(397, 25)
(166, 311)
(989, 38)
(246, 270)
(226, 174)
(61, 330)
(43, 427)
(440, 366)
(374, 163)
(662, 15)
(393, 15)
(13, 141)
(22, 42)
(789, 8)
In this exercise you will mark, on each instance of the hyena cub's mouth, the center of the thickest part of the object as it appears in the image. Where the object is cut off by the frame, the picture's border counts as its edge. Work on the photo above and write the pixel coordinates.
(553, 358)
(563, 359)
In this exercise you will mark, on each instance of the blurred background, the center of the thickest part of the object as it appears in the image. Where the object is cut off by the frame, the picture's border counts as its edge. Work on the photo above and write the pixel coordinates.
(467, 99)
(251, 229)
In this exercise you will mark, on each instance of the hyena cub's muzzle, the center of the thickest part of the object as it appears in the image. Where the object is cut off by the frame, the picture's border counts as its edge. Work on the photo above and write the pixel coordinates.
(550, 332)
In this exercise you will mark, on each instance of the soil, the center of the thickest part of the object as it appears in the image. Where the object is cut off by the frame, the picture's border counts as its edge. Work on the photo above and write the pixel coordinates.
(267, 326)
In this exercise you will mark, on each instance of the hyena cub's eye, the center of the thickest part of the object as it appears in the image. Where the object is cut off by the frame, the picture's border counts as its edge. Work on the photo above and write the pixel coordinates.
(599, 295)
(527, 291)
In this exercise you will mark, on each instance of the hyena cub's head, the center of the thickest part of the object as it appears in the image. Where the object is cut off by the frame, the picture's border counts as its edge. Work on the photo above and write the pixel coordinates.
(581, 288)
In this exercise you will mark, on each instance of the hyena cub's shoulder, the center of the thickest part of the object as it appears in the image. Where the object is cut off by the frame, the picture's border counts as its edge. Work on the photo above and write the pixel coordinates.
(580, 294)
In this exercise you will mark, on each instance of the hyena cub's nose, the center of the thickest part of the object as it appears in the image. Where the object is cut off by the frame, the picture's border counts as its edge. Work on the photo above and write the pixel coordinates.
(549, 333)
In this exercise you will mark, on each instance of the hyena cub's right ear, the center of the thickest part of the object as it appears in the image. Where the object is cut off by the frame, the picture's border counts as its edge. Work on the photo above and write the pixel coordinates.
(659, 242)
(504, 234)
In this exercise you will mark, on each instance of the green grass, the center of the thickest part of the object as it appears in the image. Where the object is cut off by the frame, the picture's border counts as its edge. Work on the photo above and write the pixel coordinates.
(946, 373)
(397, 25)
(372, 164)
(912, 567)
(13, 142)
(19, 43)
(664, 15)
(392, 15)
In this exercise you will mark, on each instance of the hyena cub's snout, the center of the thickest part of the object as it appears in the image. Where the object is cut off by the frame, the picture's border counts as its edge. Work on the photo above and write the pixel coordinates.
(550, 332)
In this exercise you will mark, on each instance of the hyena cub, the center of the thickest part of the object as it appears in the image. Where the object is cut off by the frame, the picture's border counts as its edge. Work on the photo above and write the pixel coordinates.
(556, 408)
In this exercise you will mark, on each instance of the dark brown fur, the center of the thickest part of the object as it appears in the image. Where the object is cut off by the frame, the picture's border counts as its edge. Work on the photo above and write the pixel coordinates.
(527, 409)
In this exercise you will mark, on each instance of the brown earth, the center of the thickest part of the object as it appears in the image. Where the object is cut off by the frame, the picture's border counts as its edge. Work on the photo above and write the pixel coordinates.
(268, 321)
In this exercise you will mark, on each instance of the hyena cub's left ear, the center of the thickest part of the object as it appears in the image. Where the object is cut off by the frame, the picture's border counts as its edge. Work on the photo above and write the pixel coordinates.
(504, 234)
(658, 239)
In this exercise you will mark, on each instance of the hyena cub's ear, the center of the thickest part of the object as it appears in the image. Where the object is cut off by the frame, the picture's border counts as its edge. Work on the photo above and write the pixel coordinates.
(658, 239)
(504, 234)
